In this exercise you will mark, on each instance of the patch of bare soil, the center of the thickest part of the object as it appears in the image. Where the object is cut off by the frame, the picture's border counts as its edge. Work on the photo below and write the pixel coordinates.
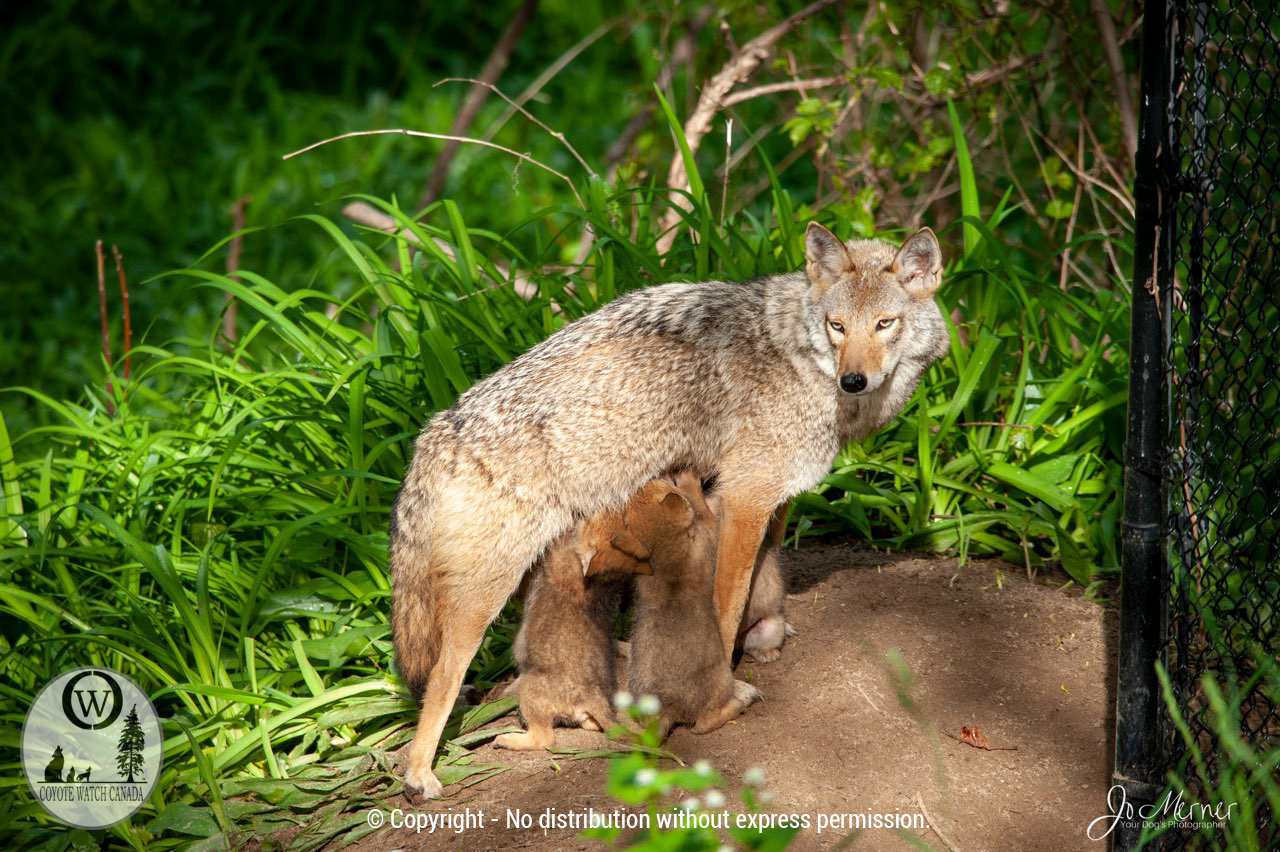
(1025, 662)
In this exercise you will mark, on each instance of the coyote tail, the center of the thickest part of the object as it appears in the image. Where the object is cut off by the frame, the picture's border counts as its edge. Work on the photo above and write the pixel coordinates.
(416, 630)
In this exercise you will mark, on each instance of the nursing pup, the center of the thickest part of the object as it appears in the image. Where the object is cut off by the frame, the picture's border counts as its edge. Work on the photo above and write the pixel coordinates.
(676, 652)
(565, 647)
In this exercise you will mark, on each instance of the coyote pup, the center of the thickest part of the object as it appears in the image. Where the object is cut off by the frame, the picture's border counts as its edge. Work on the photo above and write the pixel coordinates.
(565, 648)
(676, 652)
(758, 384)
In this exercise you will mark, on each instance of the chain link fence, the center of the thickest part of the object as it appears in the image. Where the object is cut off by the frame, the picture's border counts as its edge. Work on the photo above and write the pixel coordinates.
(1223, 367)
(1204, 437)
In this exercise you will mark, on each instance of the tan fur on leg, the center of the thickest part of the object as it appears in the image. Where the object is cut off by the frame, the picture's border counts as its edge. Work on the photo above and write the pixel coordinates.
(741, 531)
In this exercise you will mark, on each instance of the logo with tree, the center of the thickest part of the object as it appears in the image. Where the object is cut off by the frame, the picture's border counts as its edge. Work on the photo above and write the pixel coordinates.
(91, 747)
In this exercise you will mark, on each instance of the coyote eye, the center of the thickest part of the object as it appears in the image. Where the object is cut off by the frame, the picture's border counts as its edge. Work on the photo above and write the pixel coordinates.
(887, 322)
(836, 326)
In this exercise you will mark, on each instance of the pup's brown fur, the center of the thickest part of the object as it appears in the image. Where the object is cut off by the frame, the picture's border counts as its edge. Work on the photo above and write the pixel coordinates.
(676, 652)
(565, 647)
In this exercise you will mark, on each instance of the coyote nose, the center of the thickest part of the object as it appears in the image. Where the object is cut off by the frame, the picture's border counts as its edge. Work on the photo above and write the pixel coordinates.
(853, 382)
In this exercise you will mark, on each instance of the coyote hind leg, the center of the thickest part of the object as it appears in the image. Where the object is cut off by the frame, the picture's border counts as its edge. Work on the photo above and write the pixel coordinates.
(465, 615)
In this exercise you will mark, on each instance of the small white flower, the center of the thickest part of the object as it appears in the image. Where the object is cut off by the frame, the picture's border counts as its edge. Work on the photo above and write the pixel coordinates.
(714, 799)
(646, 776)
(702, 767)
(766, 797)
(691, 804)
(622, 699)
(753, 777)
(649, 705)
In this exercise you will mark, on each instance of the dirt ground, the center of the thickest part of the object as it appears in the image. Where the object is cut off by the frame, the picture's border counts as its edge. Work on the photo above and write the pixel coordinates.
(1026, 662)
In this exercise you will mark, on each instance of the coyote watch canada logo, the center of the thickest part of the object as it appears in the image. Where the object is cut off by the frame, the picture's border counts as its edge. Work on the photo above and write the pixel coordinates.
(91, 747)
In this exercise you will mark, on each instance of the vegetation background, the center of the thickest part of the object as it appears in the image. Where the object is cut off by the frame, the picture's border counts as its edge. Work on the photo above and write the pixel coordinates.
(196, 493)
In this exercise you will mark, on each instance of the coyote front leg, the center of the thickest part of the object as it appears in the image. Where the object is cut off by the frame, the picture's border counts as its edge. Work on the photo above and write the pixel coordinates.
(742, 528)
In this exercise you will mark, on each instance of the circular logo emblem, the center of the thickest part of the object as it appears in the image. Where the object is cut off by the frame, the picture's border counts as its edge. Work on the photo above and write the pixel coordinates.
(91, 747)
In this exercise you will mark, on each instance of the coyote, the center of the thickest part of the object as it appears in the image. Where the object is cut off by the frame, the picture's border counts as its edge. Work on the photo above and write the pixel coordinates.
(756, 384)
(565, 648)
(676, 649)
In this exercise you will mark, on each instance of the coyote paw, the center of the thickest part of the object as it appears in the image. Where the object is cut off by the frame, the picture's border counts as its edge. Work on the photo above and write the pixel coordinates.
(746, 693)
(523, 741)
(764, 655)
(763, 642)
(420, 785)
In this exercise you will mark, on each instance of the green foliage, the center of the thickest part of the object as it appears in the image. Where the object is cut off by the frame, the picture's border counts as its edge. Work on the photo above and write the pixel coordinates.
(1223, 791)
(637, 779)
(223, 537)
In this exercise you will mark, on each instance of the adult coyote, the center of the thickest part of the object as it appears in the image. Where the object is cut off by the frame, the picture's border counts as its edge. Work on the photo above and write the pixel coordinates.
(758, 384)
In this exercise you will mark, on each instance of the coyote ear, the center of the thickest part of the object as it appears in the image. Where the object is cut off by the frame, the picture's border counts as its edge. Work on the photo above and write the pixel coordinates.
(678, 509)
(627, 542)
(617, 558)
(825, 257)
(918, 264)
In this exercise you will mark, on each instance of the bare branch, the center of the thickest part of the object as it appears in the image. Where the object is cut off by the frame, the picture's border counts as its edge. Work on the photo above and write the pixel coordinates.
(233, 265)
(785, 86)
(421, 134)
(555, 134)
(106, 337)
(739, 67)
(493, 67)
(551, 71)
(124, 298)
(681, 52)
(1119, 79)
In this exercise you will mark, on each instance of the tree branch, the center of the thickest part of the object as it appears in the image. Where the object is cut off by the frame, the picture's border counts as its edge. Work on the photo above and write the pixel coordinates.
(493, 67)
(739, 67)
(421, 134)
(1119, 80)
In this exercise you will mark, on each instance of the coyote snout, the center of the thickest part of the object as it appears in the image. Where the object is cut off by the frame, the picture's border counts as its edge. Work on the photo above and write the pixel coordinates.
(853, 382)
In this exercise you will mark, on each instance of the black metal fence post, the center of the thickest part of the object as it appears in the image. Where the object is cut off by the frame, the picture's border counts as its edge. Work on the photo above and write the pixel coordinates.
(1138, 748)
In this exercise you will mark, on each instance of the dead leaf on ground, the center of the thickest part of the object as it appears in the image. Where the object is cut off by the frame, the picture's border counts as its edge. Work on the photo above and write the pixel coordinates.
(970, 735)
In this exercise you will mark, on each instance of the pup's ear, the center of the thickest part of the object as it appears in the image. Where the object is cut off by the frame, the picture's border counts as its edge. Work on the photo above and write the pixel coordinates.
(627, 542)
(678, 509)
(615, 559)
(825, 257)
(918, 264)
(624, 554)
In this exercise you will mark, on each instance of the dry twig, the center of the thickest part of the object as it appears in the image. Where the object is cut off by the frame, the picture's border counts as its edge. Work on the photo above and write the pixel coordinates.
(933, 824)
(128, 321)
(233, 265)
(681, 53)
(739, 67)
(493, 67)
(421, 134)
(801, 86)
(549, 74)
(555, 134)
(1119, 79)
(106, 337)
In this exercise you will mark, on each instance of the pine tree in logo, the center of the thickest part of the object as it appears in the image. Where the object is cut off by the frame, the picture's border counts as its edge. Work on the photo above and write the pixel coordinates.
(129, 759)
